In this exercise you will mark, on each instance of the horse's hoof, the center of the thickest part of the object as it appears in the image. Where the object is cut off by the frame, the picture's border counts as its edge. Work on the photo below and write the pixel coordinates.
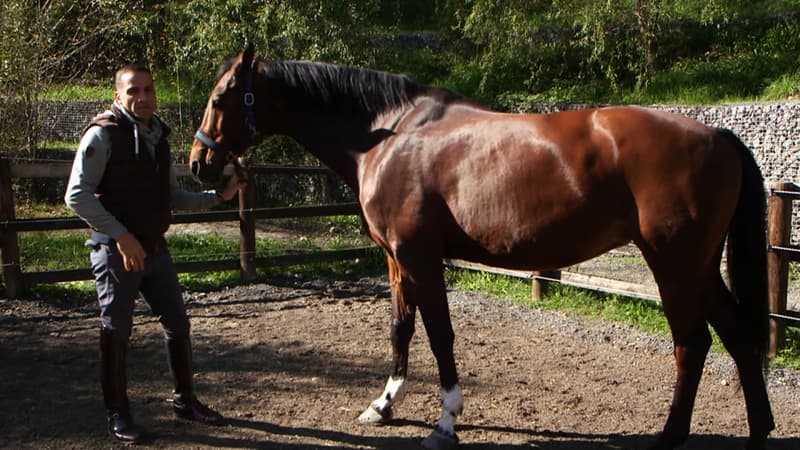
(440, 441)
(372, 416)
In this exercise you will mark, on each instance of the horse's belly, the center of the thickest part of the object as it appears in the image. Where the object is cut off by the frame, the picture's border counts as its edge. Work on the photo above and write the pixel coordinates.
(554, 247)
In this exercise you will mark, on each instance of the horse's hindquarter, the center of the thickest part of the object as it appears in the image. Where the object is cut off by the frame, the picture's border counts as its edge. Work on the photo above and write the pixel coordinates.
(685, 179)
(519, 191)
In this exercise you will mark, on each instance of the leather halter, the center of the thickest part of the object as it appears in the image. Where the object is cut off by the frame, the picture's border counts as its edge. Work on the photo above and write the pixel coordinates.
(249, 125)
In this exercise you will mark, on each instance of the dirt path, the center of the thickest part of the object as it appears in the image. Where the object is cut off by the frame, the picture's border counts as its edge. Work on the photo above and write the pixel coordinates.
(293, 366)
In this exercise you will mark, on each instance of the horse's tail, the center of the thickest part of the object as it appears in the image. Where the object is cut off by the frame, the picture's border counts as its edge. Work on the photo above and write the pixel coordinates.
(747, 248)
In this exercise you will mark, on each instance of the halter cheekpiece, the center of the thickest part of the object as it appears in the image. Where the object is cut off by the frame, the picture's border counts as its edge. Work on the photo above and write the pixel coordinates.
(249, 124)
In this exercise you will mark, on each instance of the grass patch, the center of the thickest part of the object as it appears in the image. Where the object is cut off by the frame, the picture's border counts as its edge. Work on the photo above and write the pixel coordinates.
(72, 92)
(168, 94)
(641, 314)
(789, 356)
(64, 250)
(41, 210)
(693, 82)
(68, 295)
(787, 86)
(52, 250)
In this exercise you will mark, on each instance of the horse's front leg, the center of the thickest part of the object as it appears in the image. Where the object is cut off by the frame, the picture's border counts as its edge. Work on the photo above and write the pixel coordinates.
(436, 317)
(432, 301)
(402, 330)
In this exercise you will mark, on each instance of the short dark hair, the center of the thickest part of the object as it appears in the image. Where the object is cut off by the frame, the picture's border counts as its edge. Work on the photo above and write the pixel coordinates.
(129, 68)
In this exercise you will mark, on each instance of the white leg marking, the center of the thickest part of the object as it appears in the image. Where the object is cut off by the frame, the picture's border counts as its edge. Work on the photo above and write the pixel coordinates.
(393, 394)
(452, 404)
(380, 410)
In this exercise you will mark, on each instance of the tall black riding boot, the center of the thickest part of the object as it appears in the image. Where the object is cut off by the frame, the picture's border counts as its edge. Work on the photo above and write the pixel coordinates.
(185, 403)
(113, 379)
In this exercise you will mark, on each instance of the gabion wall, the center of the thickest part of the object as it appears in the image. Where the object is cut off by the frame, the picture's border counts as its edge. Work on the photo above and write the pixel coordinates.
(771, 130)
(63, 121)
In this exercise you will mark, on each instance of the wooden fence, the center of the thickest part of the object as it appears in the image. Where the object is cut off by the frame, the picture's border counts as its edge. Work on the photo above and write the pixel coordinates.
(16, 280)
(780, 251)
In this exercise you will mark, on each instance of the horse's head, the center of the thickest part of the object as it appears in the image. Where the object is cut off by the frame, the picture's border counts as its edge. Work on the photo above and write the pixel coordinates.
(228, 127)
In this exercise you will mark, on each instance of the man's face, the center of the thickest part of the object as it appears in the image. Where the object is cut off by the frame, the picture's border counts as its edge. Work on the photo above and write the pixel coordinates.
(137, 93)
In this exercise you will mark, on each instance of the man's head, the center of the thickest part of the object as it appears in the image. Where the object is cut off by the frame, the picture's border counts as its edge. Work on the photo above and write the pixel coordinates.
(135, 90)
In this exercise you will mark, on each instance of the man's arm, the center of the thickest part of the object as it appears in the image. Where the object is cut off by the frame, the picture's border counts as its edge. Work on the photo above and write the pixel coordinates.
(87, 171)
(201, 200)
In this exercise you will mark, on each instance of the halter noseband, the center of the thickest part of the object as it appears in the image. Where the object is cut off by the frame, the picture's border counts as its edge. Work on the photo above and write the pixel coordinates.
(249, 125)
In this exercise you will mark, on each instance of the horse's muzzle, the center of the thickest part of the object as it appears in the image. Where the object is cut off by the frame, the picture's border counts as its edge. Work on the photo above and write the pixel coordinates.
(205, 173)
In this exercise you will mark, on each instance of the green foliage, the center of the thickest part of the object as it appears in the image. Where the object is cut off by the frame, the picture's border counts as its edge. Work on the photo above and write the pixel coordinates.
(504, 54)
(789, 356)
(204, 33)
(597, 51)
(18, 79)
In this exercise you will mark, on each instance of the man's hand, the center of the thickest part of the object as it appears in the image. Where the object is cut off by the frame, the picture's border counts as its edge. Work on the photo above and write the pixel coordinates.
(132, 252)
(232, 188)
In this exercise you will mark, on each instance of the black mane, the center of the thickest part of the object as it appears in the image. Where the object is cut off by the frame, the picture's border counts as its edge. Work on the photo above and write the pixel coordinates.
(340, 90)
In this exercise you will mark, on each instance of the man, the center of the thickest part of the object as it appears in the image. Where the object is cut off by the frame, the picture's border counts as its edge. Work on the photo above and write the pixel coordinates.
(122, 184)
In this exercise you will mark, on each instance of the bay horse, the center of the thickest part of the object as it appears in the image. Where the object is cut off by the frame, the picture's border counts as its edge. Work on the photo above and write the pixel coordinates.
(438, 176)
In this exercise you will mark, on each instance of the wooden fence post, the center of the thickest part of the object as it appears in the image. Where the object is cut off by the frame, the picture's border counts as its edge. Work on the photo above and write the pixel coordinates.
(247, 231)
(780, 229)
(539, 285)
(9, 246)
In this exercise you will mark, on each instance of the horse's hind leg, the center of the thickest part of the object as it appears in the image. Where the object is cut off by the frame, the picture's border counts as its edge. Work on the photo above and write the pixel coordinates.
(381, 409)
(691, 340)
(733, 329)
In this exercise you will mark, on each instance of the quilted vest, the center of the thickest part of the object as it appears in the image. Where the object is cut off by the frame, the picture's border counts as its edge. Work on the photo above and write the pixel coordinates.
(135, 186)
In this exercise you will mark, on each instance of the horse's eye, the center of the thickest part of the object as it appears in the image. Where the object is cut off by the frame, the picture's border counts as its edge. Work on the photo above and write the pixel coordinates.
(216, 103)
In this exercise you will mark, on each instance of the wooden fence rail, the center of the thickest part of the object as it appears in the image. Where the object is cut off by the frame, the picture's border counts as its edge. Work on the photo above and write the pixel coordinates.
(16, 280)
(780, 251)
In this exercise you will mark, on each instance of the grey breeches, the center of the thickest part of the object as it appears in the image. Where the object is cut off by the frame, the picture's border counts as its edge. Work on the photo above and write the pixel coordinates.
(117, 290)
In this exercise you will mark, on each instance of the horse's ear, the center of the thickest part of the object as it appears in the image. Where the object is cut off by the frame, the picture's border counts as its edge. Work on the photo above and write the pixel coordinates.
(248, 54)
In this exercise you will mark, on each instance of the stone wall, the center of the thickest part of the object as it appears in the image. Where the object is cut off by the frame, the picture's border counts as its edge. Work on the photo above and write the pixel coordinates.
(771, 130)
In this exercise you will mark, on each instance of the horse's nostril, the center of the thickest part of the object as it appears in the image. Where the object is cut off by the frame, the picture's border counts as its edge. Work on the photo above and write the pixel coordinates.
(195, 167)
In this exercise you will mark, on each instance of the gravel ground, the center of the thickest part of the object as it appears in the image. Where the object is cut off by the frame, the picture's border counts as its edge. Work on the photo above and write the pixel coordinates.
(293, 364)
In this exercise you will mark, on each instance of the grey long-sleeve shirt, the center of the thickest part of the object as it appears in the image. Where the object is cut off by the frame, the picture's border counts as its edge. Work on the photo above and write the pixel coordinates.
(89, 166)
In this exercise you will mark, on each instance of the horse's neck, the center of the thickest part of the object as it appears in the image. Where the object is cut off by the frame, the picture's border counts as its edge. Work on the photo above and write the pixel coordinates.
(342, 142)
(336, 143)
